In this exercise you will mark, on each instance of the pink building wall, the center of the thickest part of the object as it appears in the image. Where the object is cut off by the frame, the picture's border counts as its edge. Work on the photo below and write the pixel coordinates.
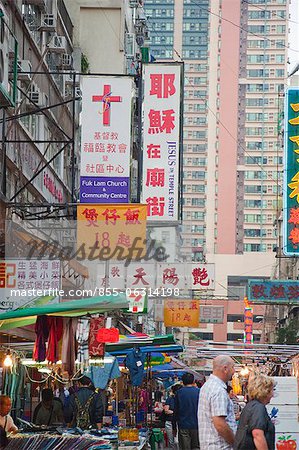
(228, 94)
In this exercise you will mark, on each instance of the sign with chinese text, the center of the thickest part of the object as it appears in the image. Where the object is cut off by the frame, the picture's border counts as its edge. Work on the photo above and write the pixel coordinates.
(291, 173)
(181, 313)
(164, 277)
(248, 325)
(105, 139)
(274, 292)
(113, 231)
(137, 302)
(162, 123)
(211, 314)
(24, 282)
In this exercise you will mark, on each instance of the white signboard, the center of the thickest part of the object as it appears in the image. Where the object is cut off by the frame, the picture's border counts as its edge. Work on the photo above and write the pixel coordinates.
(105, 139)
(162, 277)
(283, 408)
(24, 282)
(161, 140)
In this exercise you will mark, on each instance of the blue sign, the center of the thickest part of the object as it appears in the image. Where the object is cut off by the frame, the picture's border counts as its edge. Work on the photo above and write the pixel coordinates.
(273, 291)
(291, 173)
(104, 190)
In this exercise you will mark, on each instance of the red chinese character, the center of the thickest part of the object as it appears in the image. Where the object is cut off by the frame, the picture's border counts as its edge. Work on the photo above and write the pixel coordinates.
(122, 148)
(139, 277)
(277, 292)
(155, 206)
(193, 305)
(199, 276)
(181, 305)
(97, 136)
(169, 276)
(119, 169)
(110, 214)
(158, 124)
(110, 168)
(293, 292)
(92, 216)
(294, 235)
(132, 216)
(170, 305)
(124, 239)
(155, 177)
(99, 168)
(258, 291)
(162, 85)
(114, 136)
(187, 318)
(105, 281)
(153, 151)
(294, 216)
(115, 271)
(111, 148)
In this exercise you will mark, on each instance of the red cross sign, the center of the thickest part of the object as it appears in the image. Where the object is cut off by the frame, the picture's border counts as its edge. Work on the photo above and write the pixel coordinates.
(106, 99)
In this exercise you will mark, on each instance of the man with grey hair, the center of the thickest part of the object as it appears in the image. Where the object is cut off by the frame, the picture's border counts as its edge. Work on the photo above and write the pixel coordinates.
(216, 419)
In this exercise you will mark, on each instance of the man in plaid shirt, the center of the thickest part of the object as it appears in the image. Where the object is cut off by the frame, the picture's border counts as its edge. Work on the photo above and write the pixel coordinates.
(216, 420)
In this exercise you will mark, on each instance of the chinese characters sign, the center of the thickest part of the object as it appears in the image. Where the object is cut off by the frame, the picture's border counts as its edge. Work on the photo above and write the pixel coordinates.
(211, 314)
(161, 140)
(105, 139)
(111, 231)
(275, 292)
(181, 313)
(165, 277)
(291, 173)
(23, 282)
(248, 325)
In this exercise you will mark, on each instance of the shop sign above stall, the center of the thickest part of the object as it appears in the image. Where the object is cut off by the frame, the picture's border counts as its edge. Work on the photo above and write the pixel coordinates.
(211, 314)
(137, 302)
(291, 173)
(106, 139)
(274, 292)
(113, 231)
(181, 313)
(29, 283)
(158, 279)
(162, 125)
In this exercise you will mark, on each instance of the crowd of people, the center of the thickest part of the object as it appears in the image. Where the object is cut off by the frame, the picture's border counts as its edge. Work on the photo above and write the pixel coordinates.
(206, 418)
(209, 418)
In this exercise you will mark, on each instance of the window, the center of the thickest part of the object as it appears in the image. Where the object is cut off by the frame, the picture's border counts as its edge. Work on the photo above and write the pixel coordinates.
(255, 189)
(280, 73)
(257, 59)
(257, 117)
(255, 160)
(257, 145)
(258, 73)
(198, 229)
(255, 218)
(205, 336)
(254, 232)
(235, 318)
(198, 202)
(254, 247)
(235, 336)
(198, 215)
(199, 188)
(255, 204)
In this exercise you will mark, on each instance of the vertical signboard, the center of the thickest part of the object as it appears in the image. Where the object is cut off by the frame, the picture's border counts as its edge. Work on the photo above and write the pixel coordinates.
(291, 173)
(248, 325)
(161, 140)
(105, 139)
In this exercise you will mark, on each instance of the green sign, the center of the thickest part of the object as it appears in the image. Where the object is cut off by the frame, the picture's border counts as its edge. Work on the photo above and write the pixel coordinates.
(291, 174)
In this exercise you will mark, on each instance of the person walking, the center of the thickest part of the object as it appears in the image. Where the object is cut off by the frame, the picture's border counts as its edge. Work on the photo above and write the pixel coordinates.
(216, 418)
(169, 416)
(86, 405)
(255, 430)
(185, 413)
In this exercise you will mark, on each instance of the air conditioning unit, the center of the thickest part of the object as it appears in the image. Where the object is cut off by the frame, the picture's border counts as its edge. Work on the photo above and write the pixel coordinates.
(48, 22)
(66, 60)
(57, 44)
(24, 70)
(36, 97)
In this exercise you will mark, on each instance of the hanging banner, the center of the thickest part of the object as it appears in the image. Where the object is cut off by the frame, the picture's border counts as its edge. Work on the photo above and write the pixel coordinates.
(291, 173)
(181, 313)
(248, 325)
(114, 231)
(276, 292)
(162, 90)
(106, 139)
(29, 283)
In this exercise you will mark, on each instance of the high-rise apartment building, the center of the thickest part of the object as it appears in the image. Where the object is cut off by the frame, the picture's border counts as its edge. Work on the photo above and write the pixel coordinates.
(235, 55)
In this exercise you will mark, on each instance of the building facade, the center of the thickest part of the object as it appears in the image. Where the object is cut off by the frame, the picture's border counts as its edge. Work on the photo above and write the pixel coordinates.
(235, 56)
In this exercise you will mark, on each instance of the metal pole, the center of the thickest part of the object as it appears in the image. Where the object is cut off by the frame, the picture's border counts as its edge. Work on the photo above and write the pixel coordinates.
(3, 180)
(140, 152)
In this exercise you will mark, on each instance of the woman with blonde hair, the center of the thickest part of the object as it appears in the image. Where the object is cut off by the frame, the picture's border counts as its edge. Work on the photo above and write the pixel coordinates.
(255, 430)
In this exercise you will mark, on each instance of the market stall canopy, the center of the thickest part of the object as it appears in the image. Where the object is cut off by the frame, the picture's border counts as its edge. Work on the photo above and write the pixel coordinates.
(129, 342)
(149, 349)
(100, 304)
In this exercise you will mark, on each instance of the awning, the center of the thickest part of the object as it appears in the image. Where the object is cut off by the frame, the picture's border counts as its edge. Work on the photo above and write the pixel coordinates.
(148, 349)
(100, 304)
(128, 343)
